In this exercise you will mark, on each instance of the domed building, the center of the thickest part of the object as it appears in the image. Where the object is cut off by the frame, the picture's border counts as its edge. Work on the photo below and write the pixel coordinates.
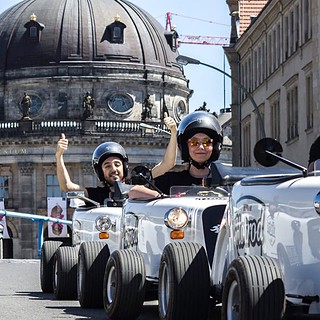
(92, 69)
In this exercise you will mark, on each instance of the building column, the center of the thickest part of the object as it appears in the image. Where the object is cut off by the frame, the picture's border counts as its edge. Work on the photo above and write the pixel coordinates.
(27, 228)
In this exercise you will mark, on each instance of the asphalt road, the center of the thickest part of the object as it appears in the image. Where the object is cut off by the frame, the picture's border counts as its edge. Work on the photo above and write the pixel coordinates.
(21, 297)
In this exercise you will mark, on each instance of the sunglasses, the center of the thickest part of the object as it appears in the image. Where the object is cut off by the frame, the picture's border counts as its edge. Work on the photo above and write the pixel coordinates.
(205, 142)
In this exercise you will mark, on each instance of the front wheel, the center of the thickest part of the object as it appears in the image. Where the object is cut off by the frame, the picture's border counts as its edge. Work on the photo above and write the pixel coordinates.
(48, 251)
(65, 273)
(253, 289)
(124, 285)
(92, 260)
(184, 282)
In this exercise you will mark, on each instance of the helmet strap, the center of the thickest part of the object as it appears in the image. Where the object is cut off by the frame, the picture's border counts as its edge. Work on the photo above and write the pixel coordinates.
(200, 165)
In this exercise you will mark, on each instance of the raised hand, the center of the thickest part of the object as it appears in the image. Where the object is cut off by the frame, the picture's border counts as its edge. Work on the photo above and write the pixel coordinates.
(170, 123)
(62, 144)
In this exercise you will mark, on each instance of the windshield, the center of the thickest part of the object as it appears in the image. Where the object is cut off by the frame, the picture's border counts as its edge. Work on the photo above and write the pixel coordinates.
(198, 191)
(314, 169)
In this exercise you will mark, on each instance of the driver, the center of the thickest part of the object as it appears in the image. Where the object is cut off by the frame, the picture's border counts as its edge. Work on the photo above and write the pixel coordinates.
(110, 163)
(199, 138)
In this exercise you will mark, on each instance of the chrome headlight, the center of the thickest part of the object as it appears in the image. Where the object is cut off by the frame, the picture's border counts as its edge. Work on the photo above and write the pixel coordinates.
(316, 203)
(176, 218)
(103, 223)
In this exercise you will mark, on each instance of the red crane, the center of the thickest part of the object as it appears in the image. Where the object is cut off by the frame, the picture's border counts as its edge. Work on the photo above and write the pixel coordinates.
(192, 39)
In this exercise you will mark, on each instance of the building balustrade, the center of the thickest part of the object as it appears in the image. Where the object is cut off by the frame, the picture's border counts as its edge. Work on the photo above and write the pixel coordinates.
(78, 127)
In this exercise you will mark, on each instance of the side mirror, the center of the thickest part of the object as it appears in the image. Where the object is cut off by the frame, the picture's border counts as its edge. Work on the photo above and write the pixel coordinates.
(75, 194)
(267, 152)
(265, 158)
(140, 174)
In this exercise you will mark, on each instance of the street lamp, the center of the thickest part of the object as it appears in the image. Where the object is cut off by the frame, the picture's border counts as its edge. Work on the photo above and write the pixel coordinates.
(184, 60)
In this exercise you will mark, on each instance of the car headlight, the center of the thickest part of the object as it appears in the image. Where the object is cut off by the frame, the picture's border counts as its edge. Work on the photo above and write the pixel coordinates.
(316, 203)
(176, 218)
(103, 223)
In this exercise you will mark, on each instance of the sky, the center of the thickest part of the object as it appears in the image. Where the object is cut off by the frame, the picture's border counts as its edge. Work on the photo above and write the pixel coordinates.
(196, 18)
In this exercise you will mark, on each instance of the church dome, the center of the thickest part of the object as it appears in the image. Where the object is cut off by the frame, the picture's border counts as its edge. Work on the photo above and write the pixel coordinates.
(58, 50)
(76, 31)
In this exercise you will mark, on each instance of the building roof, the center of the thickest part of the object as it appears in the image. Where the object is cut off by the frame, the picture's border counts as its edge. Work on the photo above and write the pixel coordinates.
(77, 32)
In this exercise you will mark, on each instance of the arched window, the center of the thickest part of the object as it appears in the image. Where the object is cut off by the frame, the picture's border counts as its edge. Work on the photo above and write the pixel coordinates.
(34, 28)
(33, 32)
(114, 32)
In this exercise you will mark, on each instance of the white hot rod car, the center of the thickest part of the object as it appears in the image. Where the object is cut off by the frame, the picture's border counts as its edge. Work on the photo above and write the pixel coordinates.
(170, 245)
(257, 235)
(270, 240)
(76, 270)
(249, 241)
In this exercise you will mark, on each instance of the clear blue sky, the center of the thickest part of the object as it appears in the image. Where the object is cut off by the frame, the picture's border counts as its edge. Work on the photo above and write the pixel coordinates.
(199, 18)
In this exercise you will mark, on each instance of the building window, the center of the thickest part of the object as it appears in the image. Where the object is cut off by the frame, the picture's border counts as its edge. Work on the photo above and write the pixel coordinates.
(263, 62)
(259, 123)
(274, 50)
(292, 112)
(52, 185)
(278, 45)
(36, 104)
(297, 28)
(4, 187)
(180, 110)
(246, 142)
(114, 32)
(34, 28)
(33, 32)
(291, 33)
(255, 70)
(286, 38)
(275, 118)
(260, 66)
(249, 73)
(306, 20)
(120, 103)
(269, 55)
(243, 80)
(309, 101)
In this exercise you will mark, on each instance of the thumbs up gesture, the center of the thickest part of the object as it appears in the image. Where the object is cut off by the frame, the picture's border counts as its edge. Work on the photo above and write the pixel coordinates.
(62, 144)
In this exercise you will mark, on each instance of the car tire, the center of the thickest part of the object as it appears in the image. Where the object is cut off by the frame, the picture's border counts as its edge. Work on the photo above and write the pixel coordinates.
(65, 273)
(48, 250)
(92, 260)
(184, 282)
(124, 285)
(253, 289)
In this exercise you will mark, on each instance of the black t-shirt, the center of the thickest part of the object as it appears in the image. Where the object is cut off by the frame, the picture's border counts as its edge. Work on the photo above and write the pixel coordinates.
(98, 194)
(172, 178)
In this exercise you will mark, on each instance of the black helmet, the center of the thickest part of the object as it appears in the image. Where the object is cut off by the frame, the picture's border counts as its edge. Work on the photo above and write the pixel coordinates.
(199, 122)
(106, 150)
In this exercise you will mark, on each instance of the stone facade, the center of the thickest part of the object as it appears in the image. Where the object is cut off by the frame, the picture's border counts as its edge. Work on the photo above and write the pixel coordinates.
(276, 60)
(56, 56)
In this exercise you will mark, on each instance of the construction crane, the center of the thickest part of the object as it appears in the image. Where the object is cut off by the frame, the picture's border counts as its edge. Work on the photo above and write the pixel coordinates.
(192, 39)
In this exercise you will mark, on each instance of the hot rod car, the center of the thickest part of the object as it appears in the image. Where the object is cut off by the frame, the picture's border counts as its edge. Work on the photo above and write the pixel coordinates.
(76, 270)
(171, 245)
(267, 255)
(248, 240)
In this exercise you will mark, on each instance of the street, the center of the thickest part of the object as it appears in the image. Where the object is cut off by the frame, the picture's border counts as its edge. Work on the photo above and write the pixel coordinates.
(21, 297)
